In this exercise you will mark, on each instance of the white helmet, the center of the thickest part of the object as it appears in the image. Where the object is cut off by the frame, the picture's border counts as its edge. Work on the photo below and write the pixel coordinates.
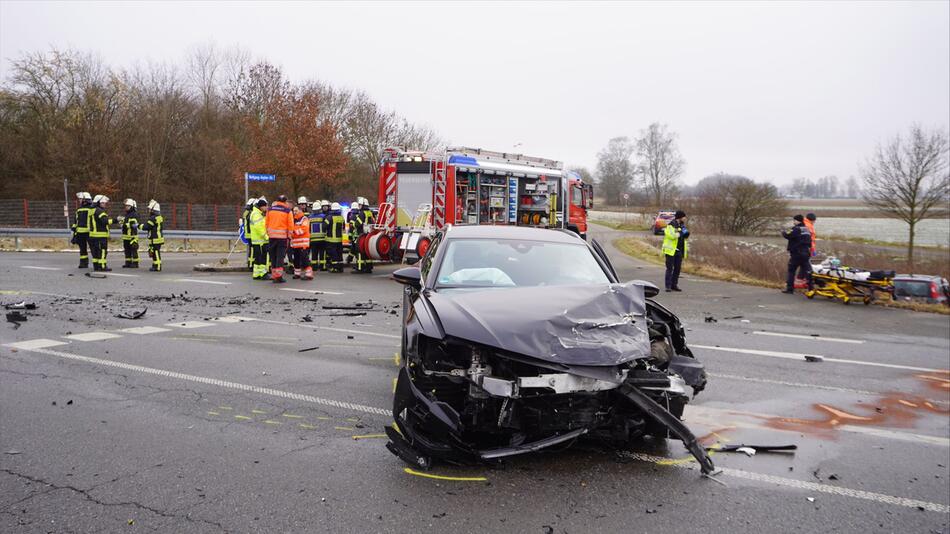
(260, 199)
(302, 200)
(82, 195)
(355, 205)
(251, 201)
(325, 203)
(364, 202)
(100, 199)
(153, 205)
(129, 202)
(335, 206)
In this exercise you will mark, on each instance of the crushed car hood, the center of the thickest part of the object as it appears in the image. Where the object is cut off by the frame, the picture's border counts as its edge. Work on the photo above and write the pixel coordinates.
(590, 325)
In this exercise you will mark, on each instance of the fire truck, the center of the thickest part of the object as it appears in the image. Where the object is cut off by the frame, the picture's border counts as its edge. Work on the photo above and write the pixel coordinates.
(422, 192)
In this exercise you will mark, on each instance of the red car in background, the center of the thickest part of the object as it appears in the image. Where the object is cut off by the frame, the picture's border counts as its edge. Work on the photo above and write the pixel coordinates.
(663, 218)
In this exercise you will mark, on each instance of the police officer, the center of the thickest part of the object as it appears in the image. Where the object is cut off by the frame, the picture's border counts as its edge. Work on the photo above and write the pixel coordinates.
(99, 233)
(675, 249)
(799, 252)
(155, 226)
(318, 235)
(130, 235)
(259, 241)
(362, 224)
(246, 225)
(335, 231)
(81, 227)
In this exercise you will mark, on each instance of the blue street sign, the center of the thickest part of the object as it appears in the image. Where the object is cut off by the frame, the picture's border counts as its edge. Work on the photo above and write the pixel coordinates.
(257, 177)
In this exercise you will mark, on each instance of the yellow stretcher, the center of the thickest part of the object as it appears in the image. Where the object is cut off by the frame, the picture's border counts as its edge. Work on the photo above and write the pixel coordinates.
(847, 284)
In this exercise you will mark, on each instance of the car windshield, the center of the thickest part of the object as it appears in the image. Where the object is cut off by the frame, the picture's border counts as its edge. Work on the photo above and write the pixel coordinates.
(666, 216)
(907, 288)
(498, 263)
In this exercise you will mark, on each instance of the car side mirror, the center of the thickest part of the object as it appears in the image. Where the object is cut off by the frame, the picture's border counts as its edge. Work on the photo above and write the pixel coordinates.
(649, 289)
(410, 276)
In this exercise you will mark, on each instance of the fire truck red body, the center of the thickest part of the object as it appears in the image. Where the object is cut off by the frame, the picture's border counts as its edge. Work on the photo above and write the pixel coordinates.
(421, 192)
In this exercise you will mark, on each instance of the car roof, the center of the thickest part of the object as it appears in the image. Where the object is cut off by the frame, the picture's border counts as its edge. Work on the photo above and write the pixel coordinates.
(512, 232)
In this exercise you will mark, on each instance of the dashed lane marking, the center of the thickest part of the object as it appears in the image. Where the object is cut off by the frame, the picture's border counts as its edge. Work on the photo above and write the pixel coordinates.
(92, 336)
(736, 473)
(243, 418)
(123, 274)
(190, 324)
(291, 416)
(347, 428)
(193, 281)
(801, 357)
(37, 268)
(369, 436)
(813, 338)
(315, 327)
(142, 330)
(272, 422)
(792, 384)
(36, 344)
(305, 425)
(217, 382)
(804, 485)
(311, 291)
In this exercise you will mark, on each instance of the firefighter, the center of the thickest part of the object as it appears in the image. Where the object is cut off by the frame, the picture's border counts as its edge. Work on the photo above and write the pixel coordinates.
(280, 223)
(81, 227)
(335, 230)
(99, 233)
(362, 224)
(675, 249)
(350, 223)
(130, 235)
(246, 229)
(799, 246)
(318, 235)
(155, 228)
(300, 244)
(259, 240)
(810, 223)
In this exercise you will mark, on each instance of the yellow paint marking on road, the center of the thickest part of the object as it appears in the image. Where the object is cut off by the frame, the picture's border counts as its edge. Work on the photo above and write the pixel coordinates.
(305, 425)
(352, 420)
(225, 408)
(243, 418)
(291, 416)
(441, 477)
(394, 385)
(271, 422)
(213, 413)
(370, 436)
(258, 412)
(907, 403)
(343, 428)
(323, 418)
(397, 359)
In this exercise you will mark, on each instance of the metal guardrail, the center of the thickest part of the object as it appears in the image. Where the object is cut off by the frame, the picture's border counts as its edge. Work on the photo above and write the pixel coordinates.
(19, 233)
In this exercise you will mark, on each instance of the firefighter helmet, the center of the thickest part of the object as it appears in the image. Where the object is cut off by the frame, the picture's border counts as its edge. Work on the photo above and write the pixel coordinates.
(99, 199)
(302, 200)
(335, 206)
(153, 205)
(325, 203)
(82, 195)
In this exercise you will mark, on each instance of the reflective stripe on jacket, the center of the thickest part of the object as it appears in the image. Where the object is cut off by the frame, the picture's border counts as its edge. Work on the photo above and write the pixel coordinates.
(83, 214)
(130, 226)
(258, 227)
(155, 226)
(280, 220)
(99, 223)
(671, 236)
(318, 230)
(335, 233)
(301, 233)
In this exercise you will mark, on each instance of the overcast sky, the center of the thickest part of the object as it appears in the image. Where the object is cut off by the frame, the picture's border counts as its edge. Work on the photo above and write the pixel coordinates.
(772, 91)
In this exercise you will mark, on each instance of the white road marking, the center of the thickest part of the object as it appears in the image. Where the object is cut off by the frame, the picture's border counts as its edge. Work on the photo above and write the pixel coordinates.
(801, 357)
(190, 324)
(792, 384)
(35, 344)
(220, 383)
(315, 327)
(192, 280)
(30, 292)
(40, 268)
(92, 336)
(311, 291)
(231, 319)
(726, 471)
(141, 330)
(810, 486)
(123, 274)
(717, 417)
(813, 338)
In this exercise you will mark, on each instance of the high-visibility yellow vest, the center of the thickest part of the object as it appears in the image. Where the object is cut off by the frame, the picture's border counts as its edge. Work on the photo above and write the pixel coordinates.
(99, 224)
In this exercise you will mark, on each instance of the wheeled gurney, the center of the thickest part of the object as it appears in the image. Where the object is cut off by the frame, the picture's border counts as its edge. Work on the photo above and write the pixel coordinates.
(832, 280)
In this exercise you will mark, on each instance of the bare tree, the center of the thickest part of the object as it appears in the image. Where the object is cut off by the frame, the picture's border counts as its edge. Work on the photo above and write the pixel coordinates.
(615, 171)
(908, 179)
(660, 162)
(736, 205)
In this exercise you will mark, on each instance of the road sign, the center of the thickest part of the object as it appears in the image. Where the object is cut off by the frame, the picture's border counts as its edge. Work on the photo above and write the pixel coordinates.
(257, 177)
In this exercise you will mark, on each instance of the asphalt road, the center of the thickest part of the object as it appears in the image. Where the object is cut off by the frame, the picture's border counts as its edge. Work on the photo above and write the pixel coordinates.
(222, 409)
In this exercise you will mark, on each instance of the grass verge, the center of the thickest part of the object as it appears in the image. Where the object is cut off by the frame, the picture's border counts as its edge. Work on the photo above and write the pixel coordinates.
(651, 253)
(627, 227)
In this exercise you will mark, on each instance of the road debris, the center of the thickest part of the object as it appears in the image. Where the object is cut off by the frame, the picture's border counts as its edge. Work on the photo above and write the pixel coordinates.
(16, 317)
(132, 314)
(306, 299)
(308, 349)
(710, 319)
(95, 275)
(306, 319)
(733, 317)
(24, 305)
(813, 358)
(358, 306)
(752, 449)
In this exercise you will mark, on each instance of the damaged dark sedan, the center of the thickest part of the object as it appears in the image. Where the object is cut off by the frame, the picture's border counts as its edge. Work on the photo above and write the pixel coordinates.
(518, 339)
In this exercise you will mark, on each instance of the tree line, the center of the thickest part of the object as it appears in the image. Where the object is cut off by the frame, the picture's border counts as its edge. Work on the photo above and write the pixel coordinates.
(187, 133)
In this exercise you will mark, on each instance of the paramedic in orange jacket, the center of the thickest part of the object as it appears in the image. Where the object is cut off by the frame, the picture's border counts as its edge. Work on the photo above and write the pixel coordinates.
(300, 245)
(810, 224)
(280, 224)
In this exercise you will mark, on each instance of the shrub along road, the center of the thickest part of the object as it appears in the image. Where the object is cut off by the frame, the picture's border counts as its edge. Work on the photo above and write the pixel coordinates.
(224, 409)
